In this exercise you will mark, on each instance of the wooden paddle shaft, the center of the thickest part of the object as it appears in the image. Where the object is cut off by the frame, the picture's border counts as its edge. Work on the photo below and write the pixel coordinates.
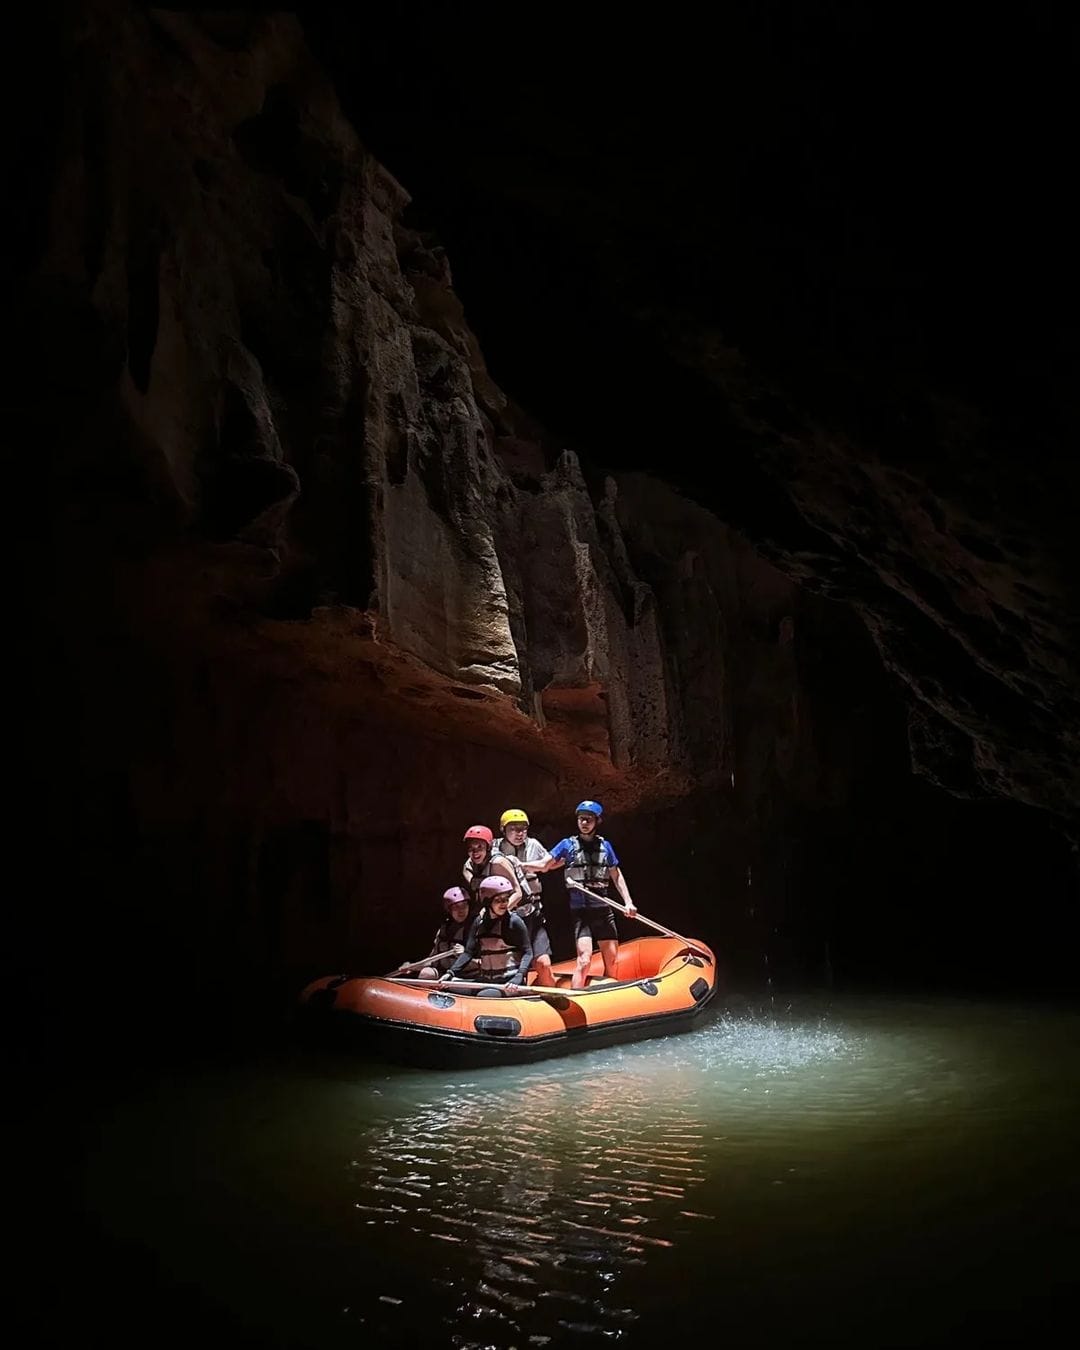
(429, 960)
(637, 915)
(527, 990)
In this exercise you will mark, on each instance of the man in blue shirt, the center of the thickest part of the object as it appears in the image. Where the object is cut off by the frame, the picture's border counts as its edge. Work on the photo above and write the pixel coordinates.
(590, 860)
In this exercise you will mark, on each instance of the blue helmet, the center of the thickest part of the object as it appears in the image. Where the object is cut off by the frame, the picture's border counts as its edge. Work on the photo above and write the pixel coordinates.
(590, 808)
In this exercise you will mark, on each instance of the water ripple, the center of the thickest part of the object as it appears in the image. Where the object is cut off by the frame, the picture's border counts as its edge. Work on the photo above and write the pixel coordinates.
(553, 1195)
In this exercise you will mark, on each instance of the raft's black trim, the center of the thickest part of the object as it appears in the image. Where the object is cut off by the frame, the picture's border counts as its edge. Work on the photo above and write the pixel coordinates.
(649, 987)
(699, 989)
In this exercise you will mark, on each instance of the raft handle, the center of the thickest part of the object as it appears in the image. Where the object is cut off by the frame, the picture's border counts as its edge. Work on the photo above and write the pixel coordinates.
(498, 1026)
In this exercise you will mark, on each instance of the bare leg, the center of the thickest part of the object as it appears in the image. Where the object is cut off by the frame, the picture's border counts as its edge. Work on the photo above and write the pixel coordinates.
(584, 956)
(542, 966)
(609, 950)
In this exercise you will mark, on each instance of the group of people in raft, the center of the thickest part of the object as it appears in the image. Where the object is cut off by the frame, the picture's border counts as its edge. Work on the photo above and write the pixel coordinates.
(494, 931)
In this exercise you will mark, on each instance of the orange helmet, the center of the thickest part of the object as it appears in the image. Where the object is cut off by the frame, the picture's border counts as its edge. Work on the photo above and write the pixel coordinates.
(479, 832)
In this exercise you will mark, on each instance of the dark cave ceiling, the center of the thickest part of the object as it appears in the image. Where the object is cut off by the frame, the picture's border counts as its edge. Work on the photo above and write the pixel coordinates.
(828, 189)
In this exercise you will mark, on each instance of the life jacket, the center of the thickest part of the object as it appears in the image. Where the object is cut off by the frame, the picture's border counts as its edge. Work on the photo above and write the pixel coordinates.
(448, 934)
(531, 887)
(586, 865)
(451, 932)
(474, 876)
(494, 955)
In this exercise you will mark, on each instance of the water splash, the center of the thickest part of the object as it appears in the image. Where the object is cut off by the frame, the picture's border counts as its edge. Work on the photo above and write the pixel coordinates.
(766, 1043)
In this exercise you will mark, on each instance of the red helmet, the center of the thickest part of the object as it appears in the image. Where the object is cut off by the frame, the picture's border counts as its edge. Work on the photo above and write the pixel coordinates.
(491, 887)
(479, 832)
(456, 895)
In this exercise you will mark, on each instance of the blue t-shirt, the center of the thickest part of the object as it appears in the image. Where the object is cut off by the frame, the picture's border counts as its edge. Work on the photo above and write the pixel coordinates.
(565, 850)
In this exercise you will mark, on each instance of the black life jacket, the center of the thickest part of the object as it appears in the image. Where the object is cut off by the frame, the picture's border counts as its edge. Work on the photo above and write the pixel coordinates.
(586, 864)
(451, 932)
(494, 954)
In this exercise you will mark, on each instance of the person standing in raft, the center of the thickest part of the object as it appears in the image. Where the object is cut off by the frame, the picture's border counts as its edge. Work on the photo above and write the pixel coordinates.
(518, 846)
(590, 860)
(452, 933)
(498, 942)
(481, 863)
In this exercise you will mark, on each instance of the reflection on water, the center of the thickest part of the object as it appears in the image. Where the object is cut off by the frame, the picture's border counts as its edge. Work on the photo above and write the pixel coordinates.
(553, 1193)
(882, 1174)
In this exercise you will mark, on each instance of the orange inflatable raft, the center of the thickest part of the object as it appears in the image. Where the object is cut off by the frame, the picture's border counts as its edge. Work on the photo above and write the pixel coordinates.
(662, 985)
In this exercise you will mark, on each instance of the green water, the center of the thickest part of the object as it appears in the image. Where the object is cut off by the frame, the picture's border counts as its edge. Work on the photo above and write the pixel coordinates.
(872, 1173)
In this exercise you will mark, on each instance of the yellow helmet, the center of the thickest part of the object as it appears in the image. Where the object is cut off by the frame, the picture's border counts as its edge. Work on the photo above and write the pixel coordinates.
(513, 817)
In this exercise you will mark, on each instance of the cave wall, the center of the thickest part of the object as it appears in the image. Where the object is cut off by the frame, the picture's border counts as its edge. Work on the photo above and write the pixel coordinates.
(832, 259)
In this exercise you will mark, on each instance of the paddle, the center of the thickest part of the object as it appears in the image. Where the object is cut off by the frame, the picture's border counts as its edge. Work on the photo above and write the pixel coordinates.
(527, 990)
(640, 918)
(455, 950)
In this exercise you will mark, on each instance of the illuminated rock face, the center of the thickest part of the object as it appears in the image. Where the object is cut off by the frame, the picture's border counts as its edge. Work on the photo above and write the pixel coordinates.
(324, 595)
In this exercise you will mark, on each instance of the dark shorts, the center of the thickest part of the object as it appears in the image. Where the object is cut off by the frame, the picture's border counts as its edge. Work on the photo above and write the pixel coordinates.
(538, 933)
(597, 922)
